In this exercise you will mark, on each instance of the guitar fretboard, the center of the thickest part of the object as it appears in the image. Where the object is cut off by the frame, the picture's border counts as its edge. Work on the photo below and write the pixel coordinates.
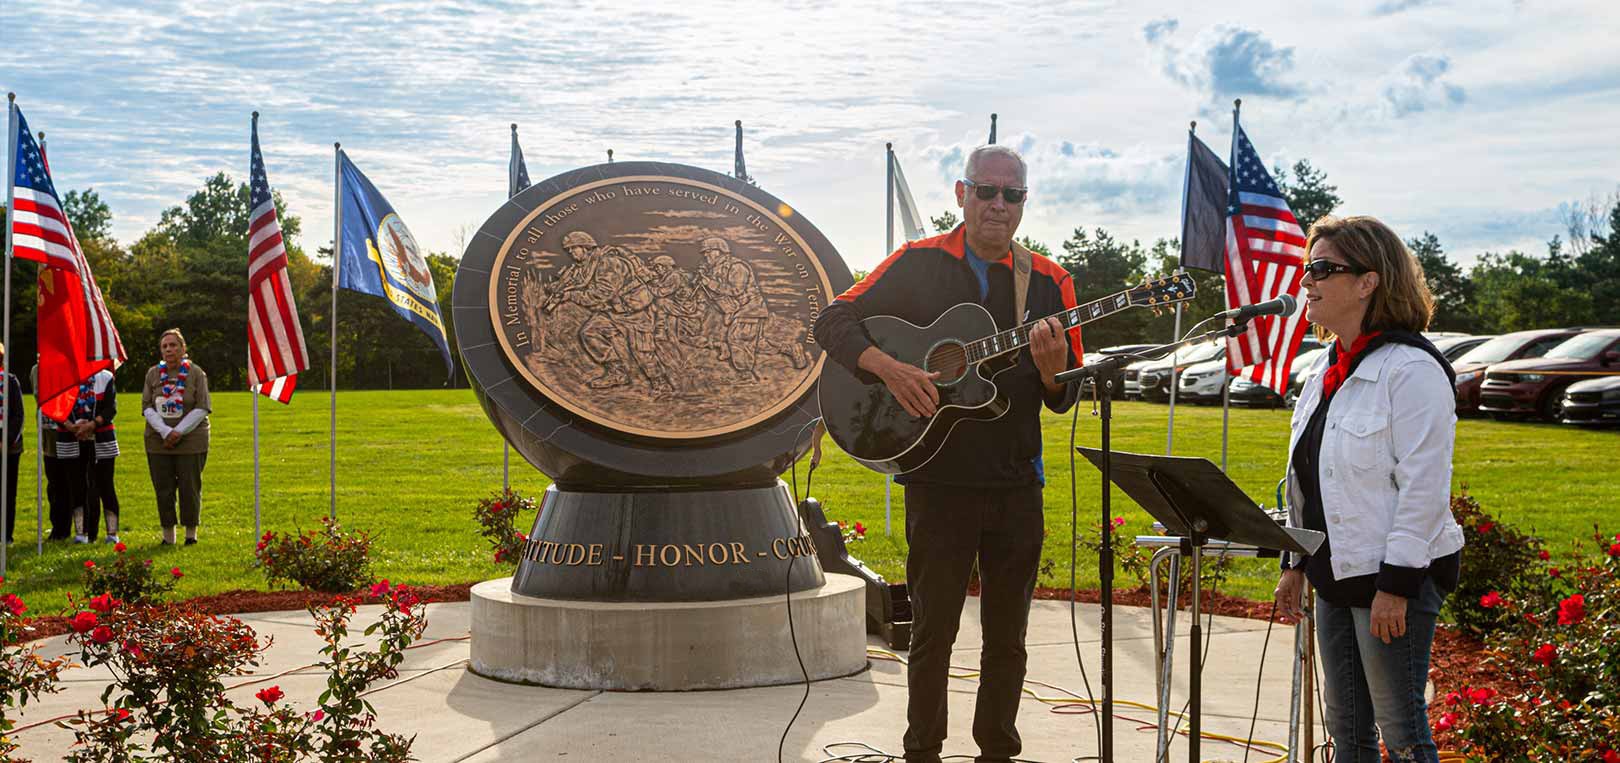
(1013, 339)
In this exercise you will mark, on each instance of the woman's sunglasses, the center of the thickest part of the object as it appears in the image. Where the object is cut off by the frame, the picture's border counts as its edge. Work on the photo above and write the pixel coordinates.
(986, 192)
(1321, 269)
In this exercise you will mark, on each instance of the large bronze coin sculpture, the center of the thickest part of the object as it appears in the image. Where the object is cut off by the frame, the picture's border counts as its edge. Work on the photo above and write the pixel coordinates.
(640, 332)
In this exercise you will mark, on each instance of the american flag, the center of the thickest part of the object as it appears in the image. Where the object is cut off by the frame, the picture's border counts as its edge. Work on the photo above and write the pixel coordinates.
(1265, 251)
(76, 333)
(275, 339)
(517, 173)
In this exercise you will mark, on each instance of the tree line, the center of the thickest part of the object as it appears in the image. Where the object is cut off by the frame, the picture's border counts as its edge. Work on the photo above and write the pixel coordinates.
(189, 272)
(1576, 283)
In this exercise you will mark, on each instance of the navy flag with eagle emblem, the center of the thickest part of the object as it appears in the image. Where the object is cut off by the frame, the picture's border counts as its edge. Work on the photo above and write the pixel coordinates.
(378, 255)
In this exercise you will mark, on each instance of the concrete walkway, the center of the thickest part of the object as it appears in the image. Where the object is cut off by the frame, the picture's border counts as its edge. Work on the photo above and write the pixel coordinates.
(458, 716)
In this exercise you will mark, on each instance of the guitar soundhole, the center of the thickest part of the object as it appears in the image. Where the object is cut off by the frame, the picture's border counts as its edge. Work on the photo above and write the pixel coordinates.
(949, 360)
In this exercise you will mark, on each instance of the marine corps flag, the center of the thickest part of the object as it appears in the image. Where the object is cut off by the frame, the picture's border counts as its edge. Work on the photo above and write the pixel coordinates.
(377, 255)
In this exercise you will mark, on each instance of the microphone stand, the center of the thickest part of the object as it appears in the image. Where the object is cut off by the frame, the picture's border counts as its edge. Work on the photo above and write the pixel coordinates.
(1106, 375)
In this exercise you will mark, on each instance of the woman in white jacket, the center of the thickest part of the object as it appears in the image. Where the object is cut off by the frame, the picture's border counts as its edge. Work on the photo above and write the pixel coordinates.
(1370, 465)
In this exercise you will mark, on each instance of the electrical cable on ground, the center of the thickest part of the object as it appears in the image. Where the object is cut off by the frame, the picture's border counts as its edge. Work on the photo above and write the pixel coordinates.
(1074, 538)
(787, 584)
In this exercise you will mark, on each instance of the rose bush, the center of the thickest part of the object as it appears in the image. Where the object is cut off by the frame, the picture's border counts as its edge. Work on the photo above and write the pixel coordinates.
(1554, 636)
(498, 517)
(1496, 559)
(328, 560)
(24, 675)
(129, 580)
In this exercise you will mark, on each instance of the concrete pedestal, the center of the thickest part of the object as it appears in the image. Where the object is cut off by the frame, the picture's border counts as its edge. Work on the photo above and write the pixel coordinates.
(668, 646)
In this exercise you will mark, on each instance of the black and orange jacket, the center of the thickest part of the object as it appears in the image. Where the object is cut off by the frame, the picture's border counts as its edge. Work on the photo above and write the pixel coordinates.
(918, 283)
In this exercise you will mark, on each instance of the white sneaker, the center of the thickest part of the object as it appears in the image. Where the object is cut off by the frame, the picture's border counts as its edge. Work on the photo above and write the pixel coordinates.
(110, 539)
(81, 539)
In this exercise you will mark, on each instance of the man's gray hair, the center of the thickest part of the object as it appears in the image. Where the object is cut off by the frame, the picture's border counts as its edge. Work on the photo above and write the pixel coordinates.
(980, 153)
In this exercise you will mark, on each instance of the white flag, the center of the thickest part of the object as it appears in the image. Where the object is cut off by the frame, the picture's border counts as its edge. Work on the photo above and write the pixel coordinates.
(911, 222)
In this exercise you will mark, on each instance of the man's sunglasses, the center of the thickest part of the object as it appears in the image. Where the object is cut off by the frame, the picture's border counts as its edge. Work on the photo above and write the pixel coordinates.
(986, 192)
(1321, 269)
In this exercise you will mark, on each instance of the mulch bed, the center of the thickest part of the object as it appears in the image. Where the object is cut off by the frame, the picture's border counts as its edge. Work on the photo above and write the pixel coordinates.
(242, 602)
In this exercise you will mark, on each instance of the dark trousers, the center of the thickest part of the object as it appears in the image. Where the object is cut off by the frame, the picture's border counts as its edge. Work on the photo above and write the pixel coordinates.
(90, 487)
(180, 475)
(947, 530)
(12, 461)
(58, 494)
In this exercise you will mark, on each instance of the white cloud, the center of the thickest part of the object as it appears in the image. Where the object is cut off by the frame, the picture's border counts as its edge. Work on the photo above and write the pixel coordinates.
(1419, 84)
(1224, 61)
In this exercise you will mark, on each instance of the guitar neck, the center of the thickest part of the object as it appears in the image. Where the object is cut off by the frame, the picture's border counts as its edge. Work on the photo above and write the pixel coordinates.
(1014, 339)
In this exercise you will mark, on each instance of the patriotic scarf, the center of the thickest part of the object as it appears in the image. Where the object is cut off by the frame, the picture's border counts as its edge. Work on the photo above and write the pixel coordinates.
(1343, 362)
(170, 387)
(84, 407)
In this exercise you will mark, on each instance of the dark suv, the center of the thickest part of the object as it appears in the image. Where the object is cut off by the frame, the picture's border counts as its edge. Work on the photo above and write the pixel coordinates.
(1536, 385)
(1471, 366)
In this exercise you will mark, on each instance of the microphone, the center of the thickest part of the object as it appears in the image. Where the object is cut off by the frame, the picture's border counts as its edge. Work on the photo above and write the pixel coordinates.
(1283, 305)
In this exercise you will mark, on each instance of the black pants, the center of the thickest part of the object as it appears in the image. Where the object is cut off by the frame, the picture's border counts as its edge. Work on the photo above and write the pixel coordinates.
(12, 461)
(180, 475)
(59, 494)
(947, 529)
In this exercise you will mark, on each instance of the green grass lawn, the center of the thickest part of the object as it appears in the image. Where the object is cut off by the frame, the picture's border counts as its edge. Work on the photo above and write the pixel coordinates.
(412, 463)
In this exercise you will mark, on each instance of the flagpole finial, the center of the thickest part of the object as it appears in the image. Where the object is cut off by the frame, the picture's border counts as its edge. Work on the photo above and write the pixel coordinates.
(1237, 103)
(514, 127)
(1192, 126)
(889, 146)
(739, 123)
(336, 146)
(11, 96)
(255, 116)
(610, 156)
(41, 134)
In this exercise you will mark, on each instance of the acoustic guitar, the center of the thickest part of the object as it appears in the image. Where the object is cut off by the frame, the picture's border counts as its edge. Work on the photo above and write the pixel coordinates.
(967, 351)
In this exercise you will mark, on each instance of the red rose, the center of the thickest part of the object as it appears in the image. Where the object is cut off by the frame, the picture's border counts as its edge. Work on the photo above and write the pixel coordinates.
(1610, 756)
(1545, 654)
(500, 553)
(83, 622)
(101, 635)
(318, 716)
(13, 604)
(1485, 527)
(1572, 610)
(104, 603)
(1555, 572)
(175, 571)
(404, 598)
(1481, 696)
(1491, 600)
(1614, 550)
(119, 547)
(270, 696)
(1453, 698)
(860, 529)
(260, 547)
(89, 564)
(1447, 722)
(120, 714)
(1119, 521)
(380, 588)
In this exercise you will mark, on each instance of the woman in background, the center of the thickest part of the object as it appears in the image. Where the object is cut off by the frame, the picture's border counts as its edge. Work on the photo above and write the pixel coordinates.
(14, 443)
(175, 403)
(88, 445)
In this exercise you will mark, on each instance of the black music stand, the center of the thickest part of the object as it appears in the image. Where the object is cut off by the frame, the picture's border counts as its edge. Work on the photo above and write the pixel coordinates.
(1195, 500)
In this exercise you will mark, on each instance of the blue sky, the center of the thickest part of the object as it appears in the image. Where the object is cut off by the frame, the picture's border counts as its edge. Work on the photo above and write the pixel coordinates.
(1474, 120)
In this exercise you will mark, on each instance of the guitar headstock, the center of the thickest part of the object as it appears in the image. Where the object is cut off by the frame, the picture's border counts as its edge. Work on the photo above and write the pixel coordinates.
(1165, 290)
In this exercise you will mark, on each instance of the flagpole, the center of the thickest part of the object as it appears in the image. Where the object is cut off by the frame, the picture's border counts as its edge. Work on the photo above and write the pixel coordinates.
(8, 511)
(253, 388)
(1226, 397)
(610, 156)
(39, 455)
(506, 447)
(1175, 356)
(888, 210)
(992, 129)
(337, 260)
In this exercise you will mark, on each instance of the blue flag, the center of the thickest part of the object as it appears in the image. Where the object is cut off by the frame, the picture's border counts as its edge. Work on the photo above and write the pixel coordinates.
(379, 256)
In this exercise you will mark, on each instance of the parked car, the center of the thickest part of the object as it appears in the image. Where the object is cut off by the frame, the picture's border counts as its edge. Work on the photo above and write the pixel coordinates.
(1471, 366)
(1453, 347)
(1536, 385)
(1245, 392)
(1594, 401)
(1153, 377)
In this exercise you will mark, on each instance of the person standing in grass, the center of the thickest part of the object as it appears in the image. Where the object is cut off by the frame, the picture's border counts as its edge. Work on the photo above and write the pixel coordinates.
(175, 403)
(1370, 466)
(87, 444)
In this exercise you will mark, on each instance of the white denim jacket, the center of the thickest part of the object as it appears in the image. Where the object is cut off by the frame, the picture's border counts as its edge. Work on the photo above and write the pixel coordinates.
(1385, 466)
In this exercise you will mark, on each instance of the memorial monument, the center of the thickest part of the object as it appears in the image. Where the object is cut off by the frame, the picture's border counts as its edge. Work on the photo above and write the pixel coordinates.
(640, 332)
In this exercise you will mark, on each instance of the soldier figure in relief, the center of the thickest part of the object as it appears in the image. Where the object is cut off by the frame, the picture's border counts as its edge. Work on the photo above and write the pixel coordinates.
(733, 290)
(612, 286)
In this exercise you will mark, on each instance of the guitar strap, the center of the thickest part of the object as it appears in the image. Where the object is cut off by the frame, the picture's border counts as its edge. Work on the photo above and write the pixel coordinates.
(1022, 261)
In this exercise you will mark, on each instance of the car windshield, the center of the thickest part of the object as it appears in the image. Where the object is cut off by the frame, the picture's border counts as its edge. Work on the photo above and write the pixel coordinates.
(1582, 347)
(1202, 353)
(1495, 350)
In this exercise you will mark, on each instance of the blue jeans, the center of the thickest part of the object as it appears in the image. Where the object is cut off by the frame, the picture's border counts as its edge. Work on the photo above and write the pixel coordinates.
(1365, 681)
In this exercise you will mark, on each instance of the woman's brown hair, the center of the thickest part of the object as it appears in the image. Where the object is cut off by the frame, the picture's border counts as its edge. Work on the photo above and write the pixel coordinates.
(177, 335)
(1402, 301)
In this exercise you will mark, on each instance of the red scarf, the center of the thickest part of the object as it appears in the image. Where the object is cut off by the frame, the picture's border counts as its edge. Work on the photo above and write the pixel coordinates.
(1342, 362)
